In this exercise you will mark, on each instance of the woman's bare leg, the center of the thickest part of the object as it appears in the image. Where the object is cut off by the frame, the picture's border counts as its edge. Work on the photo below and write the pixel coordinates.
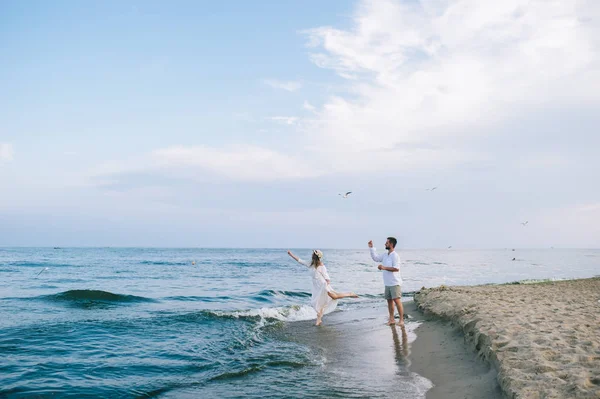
(340, 295)
(319, 318)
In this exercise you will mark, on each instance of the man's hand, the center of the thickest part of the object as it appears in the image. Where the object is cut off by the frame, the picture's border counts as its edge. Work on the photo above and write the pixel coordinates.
(290, 253)
(380, 267)
(371, 244)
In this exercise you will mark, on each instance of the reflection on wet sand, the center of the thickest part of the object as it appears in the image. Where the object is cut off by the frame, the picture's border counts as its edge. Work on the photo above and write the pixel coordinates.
(400, 348)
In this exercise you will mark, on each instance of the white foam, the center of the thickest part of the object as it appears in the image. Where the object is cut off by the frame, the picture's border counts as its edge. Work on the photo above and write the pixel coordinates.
(283, 313)
(410, 327)
(421, 384)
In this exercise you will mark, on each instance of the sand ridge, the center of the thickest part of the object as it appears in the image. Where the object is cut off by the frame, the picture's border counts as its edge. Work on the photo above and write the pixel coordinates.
(543, 339)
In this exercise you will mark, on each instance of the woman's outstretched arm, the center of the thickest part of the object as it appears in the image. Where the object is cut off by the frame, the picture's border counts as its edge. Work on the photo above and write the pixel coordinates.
(293, 256)
(297, 259)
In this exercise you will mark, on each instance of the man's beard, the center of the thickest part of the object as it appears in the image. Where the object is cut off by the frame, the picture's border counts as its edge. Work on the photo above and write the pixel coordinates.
(387, 247)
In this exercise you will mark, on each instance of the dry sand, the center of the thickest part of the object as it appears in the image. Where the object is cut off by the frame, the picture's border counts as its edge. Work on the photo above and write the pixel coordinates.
(543, 339)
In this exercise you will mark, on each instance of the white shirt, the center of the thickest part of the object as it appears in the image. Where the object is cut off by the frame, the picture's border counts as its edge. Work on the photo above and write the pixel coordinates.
(391, 259)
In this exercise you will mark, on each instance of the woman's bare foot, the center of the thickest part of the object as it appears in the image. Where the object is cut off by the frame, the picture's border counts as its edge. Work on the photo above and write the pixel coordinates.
(401, 323)
(391, 322)
(318, 323)
(353, 295)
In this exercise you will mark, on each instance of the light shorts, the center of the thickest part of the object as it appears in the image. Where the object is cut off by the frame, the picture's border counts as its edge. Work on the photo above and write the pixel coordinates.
(392, 292)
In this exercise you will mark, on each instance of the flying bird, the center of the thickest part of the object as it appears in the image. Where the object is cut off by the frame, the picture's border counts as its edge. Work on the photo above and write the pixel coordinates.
(346, 195)
(431, 189)
(525, 223)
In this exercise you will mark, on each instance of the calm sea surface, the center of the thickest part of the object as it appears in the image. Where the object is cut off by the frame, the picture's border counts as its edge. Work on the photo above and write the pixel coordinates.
(138, 322)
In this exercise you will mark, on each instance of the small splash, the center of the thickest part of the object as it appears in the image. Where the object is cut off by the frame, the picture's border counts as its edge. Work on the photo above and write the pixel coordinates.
(283, 313)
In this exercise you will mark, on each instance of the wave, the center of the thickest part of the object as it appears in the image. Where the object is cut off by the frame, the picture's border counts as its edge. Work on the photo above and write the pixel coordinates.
(258, 367)
(262, 296)
(7, 270)
(194, 298)
(164, 263)
(275, 293)
(93, 295)
(36, 264)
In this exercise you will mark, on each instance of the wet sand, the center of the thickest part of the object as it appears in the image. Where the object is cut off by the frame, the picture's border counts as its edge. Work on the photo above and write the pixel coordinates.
(543, 339)
(441, 354)
(371, 359)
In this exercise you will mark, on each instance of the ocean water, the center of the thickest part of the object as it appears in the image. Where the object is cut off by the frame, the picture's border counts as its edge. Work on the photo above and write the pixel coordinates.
(179, 323)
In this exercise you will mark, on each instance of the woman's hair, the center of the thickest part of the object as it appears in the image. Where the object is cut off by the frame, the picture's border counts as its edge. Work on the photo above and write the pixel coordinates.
(316, 258)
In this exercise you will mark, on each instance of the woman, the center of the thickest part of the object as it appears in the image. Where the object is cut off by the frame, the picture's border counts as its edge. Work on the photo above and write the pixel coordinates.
(324, 298)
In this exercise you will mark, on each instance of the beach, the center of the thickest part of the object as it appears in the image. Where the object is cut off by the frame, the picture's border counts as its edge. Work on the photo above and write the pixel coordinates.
(543, 339)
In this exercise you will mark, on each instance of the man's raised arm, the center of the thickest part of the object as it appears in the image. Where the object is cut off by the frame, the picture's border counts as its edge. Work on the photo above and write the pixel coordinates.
(374, 256)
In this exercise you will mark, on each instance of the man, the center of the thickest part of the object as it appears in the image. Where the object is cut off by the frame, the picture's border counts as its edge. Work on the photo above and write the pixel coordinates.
(390, 264)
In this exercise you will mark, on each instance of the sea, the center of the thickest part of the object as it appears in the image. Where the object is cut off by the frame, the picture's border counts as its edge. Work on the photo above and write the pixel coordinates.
(225, 323)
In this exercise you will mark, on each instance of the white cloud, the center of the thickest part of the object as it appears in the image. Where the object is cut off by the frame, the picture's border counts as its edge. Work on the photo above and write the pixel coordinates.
(431, 71)
(286, 120)
(309, 107)
(6, 152)
(423, 81)
(237, 163)
(289, 85)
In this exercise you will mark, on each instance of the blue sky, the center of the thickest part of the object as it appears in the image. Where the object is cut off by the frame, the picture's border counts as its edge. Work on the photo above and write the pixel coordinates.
(238, 123)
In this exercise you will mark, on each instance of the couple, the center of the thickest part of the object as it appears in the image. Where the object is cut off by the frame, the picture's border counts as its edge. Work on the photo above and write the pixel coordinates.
(324, 298)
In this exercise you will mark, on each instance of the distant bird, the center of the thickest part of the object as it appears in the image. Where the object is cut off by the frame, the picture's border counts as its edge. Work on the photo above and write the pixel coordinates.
(44, 269)
(450, 247)
(525, 223)
(346, 195)
(431, 189)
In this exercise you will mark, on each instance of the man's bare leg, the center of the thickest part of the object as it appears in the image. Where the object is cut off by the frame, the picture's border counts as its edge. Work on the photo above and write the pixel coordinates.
(400, 311)
(391, 311)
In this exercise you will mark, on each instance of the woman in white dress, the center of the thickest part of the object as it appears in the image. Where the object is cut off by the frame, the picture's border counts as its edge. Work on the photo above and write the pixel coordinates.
(324, 298)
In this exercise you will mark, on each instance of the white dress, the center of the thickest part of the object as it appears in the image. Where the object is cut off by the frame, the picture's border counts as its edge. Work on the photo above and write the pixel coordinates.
(320, 300)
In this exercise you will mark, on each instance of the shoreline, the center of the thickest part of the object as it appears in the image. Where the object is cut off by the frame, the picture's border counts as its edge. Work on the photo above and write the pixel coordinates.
(441, 355)
(359, 350)
(543, 339)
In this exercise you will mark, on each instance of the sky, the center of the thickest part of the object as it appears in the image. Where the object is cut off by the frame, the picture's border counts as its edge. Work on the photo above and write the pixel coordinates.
(237, 124)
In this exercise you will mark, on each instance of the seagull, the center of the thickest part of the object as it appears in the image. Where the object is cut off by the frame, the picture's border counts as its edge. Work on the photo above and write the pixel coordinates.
(346, 195)
(450, 247)
(44, 269)
(431, 189)
(525, 223)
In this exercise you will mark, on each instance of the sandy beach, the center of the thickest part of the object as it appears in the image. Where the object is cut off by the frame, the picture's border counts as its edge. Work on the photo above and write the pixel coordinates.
(543, 339)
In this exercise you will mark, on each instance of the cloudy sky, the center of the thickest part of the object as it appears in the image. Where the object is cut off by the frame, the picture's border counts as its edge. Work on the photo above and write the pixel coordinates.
(236, 124)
